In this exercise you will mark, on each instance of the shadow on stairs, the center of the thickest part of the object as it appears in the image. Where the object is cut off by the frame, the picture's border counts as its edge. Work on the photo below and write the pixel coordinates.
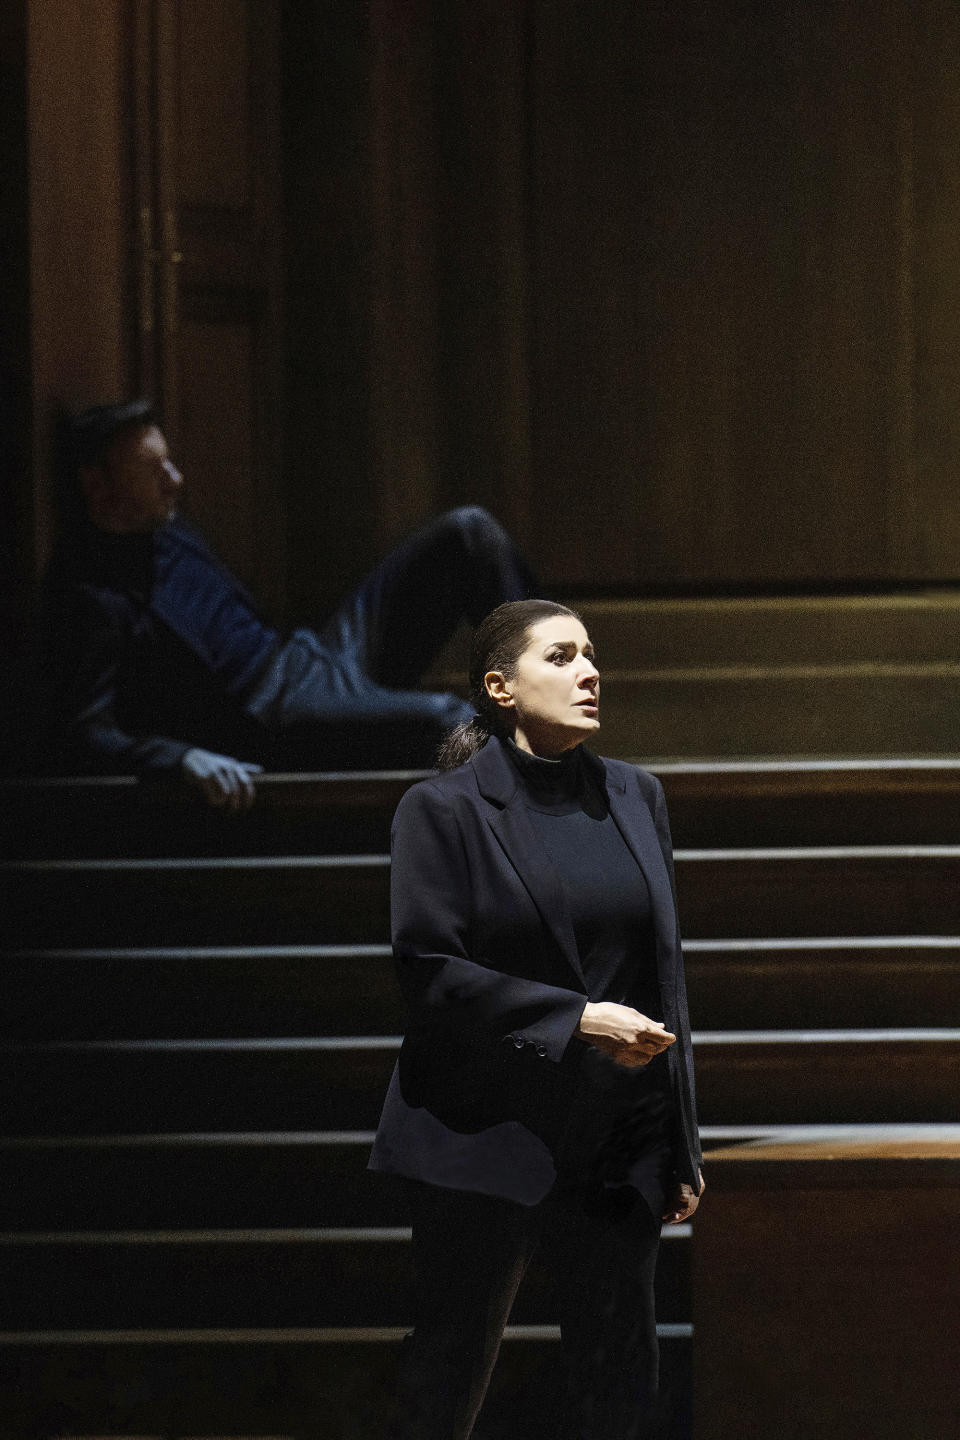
(199, 1022)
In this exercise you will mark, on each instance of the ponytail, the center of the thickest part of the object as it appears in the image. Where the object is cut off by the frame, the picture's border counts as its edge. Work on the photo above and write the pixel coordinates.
(462, 743)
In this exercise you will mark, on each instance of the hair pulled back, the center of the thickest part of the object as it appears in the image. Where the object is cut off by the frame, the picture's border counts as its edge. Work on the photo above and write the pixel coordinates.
(498, 643)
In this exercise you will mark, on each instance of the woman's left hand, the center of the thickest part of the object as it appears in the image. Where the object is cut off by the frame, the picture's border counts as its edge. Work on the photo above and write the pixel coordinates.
(683, 1201)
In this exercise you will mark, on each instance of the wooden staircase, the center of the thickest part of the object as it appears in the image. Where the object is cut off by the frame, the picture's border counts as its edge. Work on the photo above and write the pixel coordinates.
(200, 1020)
(775, 675)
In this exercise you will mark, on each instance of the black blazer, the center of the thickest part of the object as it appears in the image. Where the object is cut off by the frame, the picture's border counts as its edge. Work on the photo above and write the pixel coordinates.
(487, 962)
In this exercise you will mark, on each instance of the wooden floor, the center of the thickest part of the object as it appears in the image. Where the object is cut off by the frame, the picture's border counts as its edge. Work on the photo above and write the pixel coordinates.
(199, 1022)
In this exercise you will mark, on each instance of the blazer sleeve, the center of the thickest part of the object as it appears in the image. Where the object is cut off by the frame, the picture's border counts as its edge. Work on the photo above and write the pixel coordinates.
(448, 993)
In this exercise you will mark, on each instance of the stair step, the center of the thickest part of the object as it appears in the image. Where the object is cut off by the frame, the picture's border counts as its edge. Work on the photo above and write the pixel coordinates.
(262, 1383)
(242, 900)
(827, 890)
(712, 802)
(918, 627)
(232, 1180)
(791, 891)
(827, 1076)
(783, 711)
(743, 1077)
(823, 982)
(783, 676)
(219, 1181)
(161, 1086)
(197, 992)
(778, 675)
(117, 816)
(237, 1279)
(738, 803)
(236, 992)
(195, 1181)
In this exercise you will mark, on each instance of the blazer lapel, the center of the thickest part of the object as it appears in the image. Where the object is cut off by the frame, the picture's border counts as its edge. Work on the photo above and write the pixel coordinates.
(524, 849)
(635, 823)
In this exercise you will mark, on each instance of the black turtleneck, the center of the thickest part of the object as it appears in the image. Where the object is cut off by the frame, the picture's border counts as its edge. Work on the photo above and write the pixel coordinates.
(605, 887)
(618, 1128)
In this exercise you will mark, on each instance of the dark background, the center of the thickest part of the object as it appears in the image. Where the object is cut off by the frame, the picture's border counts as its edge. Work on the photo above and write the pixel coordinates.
(671, 287)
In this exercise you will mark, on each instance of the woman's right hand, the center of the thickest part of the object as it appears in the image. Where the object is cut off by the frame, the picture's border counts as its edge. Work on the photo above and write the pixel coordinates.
(623, 1033)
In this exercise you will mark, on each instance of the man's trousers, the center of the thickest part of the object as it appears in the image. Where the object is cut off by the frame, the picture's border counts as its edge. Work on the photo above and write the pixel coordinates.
(344, 697)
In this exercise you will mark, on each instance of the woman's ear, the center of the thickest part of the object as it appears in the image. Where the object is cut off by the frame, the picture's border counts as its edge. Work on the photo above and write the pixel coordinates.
(497, 688)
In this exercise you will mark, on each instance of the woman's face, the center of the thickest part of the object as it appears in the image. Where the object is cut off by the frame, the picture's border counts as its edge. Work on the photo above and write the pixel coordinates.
(554, 693)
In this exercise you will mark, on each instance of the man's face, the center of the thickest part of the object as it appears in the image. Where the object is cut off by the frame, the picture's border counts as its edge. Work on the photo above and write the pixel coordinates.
(137, 486)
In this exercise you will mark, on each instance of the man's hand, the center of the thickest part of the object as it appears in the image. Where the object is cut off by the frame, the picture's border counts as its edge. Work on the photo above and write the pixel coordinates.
(221, 780)
(683, 1201)
(627, 1036)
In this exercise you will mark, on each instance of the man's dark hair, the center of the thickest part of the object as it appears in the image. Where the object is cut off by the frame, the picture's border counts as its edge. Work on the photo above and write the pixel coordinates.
(84, 440)
(94, 431)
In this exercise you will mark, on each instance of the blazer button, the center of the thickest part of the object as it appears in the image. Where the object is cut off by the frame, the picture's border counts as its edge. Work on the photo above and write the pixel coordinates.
(519, 1041)
(542, 1051)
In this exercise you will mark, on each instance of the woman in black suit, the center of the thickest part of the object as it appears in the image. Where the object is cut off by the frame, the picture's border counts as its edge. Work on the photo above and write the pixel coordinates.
(536, 1103)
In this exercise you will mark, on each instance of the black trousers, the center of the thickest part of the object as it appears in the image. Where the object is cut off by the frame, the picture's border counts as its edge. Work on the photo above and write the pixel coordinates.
(470, 1252)
(344, 697)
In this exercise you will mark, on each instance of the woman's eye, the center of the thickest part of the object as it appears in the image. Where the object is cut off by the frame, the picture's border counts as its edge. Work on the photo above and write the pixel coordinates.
(559, 658)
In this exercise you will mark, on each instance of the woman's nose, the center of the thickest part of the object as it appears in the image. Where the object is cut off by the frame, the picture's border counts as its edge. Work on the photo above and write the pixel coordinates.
(589, 675)
(173, 474)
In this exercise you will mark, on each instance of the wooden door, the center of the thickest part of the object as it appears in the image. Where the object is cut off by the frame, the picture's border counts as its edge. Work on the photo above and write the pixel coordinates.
(209, 265)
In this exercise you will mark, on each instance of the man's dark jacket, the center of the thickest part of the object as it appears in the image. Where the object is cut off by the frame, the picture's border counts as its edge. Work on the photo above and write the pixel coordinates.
(487, 961)
(143, 664)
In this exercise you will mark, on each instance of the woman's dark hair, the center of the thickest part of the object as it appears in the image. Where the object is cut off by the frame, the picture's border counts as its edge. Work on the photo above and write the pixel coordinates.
(498, 643)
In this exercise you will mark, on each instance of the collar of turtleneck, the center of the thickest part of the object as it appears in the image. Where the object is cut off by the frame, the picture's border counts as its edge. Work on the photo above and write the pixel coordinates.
(549, 782)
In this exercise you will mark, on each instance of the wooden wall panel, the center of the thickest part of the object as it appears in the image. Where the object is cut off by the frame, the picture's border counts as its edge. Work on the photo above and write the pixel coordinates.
(483, 258)
(449, 363)
(17, 504)
(670, 287)
(329, 261)
(79, 221)
(214, 104)
(16, 498)
(403, 353)
(219, 207)
(216, 456)
(934, 505)
(716, 284)
(150, 133)
(593, 267)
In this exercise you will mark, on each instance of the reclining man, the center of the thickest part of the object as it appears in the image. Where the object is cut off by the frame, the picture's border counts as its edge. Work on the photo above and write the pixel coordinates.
(160, 661)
